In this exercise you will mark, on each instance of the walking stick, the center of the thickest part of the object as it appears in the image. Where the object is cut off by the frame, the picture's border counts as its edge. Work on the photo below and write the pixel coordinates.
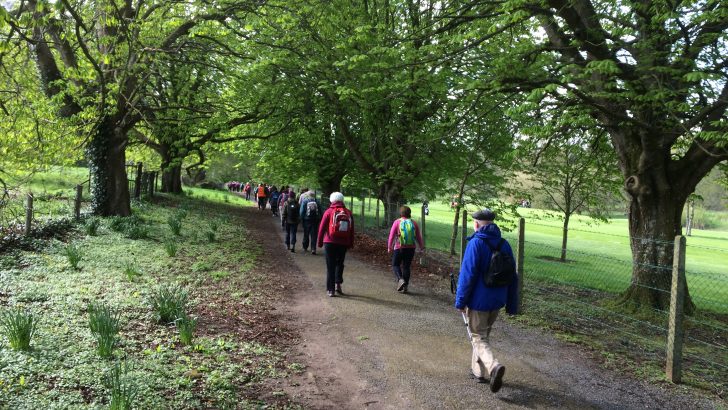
(465, 319)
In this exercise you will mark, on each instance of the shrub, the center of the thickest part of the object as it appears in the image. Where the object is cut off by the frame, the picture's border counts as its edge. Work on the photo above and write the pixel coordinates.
(131, 271)
(92, 226)
(122, 389)
(117, 223)
(169, 303)
(170, 247)
(104, 325)
(73, 255)
(214, 225)
(186, 326)
(175, 224)
(136, 231)
(19, 327)
(210, 235)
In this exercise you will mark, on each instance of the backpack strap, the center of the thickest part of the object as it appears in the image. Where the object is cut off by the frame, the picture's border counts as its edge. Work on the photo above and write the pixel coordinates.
(496, 248)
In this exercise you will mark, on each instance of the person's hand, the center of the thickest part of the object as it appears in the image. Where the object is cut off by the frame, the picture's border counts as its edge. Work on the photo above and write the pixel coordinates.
(389, 250)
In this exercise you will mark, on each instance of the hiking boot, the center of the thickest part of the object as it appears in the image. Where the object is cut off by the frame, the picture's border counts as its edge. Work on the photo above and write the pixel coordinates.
(404, 290)
(293, 249)
(313, 252)
(401, 285)
(330, 293)
(338, 289)
(496, 378)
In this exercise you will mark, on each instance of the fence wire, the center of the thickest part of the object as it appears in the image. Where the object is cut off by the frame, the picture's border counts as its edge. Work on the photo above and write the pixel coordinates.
(577, 290)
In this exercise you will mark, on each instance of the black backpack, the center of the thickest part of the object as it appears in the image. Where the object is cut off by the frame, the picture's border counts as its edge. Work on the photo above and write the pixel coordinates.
(501, 271)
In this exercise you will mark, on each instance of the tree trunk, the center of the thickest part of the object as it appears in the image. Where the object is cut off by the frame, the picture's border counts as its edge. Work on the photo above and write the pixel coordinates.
(564, 237)
(455, 226)
(171, 178)
(392, 198)
(107, 157)
(654, 222)
(330, 183)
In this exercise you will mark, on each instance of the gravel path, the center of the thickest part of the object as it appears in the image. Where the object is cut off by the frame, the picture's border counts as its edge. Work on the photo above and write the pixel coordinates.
(377, 348)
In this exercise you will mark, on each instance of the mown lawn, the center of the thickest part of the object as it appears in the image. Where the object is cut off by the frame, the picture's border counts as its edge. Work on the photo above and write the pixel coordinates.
(231, 354)
(599, 254)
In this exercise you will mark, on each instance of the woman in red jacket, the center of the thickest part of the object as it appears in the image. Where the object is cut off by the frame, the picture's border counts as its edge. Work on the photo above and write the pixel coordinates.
(336, 236)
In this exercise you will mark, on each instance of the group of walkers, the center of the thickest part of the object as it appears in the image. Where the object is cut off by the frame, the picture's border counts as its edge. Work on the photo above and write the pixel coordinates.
(487, 281)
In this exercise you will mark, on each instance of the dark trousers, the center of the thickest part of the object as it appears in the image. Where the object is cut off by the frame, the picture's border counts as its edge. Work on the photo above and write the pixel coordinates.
(261, 203)
(401, 263)
(310, 233)
(335, 255)
(291, 230)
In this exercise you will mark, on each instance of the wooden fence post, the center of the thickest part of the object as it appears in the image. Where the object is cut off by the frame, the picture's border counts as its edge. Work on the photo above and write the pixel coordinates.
(379, 225)
(138, 182)
(28, 214)
(520, 255)
(676, 332)
(77, 202)
(423, 232)
(464, 234)
(156, 180)
(351, 203)
(363, 215)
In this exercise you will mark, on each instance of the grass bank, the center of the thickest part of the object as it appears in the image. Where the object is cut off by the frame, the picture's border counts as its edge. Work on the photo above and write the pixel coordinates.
(234, 350)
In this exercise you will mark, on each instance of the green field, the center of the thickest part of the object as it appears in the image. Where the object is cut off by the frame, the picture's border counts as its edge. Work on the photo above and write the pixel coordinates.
(599, 254)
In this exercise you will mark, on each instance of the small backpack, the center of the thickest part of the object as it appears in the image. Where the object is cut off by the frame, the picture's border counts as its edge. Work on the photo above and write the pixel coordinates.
(292, 209)
(311, 209)
(406, 232)
(340, 224)
(501, 271)
(274, 198)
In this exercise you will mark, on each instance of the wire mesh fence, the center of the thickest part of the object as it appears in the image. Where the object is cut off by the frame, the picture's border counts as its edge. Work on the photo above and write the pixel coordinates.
(578, 290)
(45, 199)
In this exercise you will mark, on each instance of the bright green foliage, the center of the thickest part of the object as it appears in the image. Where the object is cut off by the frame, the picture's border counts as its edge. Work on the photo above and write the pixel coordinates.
(104, 324)
(186, 325)
(170, 246)
(19, 327)
(122, 388)
(73, 255)
(91, 226)
(169, 303)
(131, 271)
(175, 224)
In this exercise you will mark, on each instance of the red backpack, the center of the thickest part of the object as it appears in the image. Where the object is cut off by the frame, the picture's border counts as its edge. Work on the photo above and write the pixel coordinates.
(340, 224)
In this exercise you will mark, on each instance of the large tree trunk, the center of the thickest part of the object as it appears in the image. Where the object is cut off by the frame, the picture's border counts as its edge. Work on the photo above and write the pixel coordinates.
(172, 178)
(107, 157)
(330, 182)
(392, 198)
(654, 222)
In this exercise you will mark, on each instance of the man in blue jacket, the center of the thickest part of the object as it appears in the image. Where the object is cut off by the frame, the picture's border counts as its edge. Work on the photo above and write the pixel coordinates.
(481, 304)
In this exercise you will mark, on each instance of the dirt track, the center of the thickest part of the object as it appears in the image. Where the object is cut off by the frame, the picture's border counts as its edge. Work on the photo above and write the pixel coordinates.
(377, 348)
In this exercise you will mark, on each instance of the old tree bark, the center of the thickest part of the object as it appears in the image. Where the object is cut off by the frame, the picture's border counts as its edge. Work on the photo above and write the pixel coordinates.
(667, 126)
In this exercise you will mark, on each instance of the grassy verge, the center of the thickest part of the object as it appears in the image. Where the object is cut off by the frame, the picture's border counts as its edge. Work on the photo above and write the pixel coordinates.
(233, 349)
(599, 254)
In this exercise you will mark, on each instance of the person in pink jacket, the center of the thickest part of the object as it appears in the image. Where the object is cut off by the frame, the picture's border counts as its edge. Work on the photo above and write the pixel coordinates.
(403, 239)
(336, 236)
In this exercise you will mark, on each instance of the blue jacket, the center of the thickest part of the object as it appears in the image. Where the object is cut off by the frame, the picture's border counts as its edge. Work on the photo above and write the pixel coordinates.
(304, 202)
(472, 291)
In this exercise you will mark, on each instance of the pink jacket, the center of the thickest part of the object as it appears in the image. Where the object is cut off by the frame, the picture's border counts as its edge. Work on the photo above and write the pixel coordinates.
(323, 231)
(394, 237)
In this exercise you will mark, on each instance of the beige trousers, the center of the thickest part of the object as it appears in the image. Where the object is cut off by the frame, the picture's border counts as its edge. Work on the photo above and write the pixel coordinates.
(480, 324)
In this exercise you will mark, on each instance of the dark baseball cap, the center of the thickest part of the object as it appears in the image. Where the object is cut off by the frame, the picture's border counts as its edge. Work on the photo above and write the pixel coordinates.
(484, 215)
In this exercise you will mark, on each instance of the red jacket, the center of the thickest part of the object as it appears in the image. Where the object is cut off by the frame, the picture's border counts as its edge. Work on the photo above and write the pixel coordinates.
(323, 231)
